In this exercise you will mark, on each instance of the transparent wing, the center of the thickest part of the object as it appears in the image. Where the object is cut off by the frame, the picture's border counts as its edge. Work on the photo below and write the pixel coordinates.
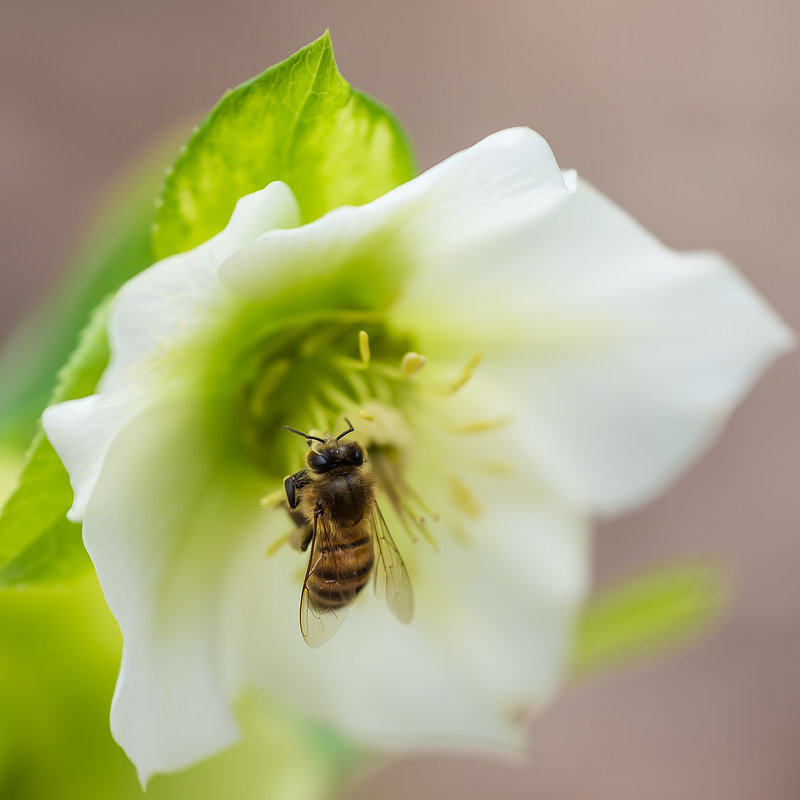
(391, 576)
(325, 599)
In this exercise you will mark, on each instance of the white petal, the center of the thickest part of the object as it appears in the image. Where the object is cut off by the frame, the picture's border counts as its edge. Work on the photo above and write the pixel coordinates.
(509, 176)
(81, 432)
(268, 209)
(157, 310)
(619, 357)
(161, 528)
(177, 298)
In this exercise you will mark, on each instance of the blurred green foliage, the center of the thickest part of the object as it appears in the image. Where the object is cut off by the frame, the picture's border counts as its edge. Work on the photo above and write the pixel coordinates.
(646, 615)
(37, 541)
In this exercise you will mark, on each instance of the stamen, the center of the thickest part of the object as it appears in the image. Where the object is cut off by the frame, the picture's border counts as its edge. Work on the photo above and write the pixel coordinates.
(467, 372)
(269, 382)
(464, 499)
(406, 515)
(482, 425)
(294, 537)
(358, 384)
(277, 544)
(363, 346)
(319, 416)
(412, 363)
(406, 503)
(421, 503)
(366, 415)
(336, 400)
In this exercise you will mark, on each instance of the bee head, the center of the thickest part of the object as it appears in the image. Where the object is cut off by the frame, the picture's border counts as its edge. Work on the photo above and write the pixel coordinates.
(332, 453)
(328, 453)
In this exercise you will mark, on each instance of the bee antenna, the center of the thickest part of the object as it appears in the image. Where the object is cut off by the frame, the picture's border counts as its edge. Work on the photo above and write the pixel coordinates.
(349, 430)
(304, 435)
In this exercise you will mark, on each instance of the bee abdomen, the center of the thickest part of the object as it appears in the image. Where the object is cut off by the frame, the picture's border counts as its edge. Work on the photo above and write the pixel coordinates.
(341, 573)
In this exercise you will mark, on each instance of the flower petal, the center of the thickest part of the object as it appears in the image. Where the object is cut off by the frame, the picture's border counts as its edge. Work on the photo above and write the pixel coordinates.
(489, 188)
(162, 527)
(81, 432)
(619, 358)
(176, 298)
(158, 309)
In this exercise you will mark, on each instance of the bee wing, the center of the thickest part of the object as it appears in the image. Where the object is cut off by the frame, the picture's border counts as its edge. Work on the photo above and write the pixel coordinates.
(391, 577)
(318, 624)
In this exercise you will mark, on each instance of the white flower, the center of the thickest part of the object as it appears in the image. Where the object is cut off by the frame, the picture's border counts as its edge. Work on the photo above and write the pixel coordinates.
(606, 362)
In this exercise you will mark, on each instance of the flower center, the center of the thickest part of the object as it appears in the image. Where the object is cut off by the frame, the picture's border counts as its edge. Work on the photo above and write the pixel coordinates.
(311, 376)
(311, 371)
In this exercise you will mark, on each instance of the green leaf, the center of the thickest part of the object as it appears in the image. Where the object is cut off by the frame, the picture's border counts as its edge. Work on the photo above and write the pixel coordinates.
(37, 542)
(646, 615)
(115, 247)
(299, 122)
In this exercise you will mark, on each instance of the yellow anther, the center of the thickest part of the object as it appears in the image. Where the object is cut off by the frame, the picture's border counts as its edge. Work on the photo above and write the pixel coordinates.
(363, 346)
(412, 363)
(482, 425)
(467, 372)
(464, 499)
(366, 415)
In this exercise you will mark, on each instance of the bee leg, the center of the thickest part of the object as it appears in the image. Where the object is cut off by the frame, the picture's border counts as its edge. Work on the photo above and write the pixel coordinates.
(297, 517)
(319, 510)
(308, 536)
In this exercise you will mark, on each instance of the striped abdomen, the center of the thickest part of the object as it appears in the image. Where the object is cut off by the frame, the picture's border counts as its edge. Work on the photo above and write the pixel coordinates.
(342, 568)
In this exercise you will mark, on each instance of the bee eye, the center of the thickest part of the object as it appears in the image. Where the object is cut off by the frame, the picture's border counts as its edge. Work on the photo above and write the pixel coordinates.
(358, 457)
(317, 461)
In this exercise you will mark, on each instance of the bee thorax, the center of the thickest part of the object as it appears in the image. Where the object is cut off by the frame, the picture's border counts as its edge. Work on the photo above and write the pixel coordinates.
(346, 497)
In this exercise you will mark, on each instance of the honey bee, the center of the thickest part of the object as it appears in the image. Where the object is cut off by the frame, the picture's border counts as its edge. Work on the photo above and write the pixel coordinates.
(333, 502)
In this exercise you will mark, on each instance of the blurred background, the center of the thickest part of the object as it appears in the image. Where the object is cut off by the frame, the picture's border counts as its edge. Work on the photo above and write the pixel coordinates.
(685, 113)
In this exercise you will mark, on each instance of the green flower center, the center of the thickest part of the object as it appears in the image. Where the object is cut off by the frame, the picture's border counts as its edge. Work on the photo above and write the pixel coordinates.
(309, 371)
(309, 375)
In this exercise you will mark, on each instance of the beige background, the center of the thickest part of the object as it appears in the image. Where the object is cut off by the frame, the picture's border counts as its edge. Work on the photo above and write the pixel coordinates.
(684, 112)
